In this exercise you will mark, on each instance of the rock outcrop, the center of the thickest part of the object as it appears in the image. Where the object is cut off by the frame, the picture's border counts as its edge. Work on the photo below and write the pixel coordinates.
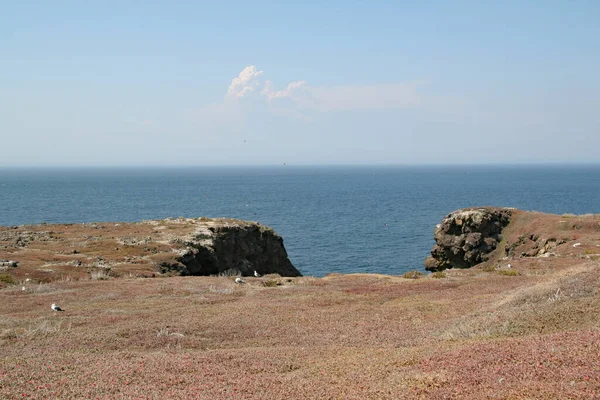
(466, 237)
(215, 248)
(532, 245)
(6, 264)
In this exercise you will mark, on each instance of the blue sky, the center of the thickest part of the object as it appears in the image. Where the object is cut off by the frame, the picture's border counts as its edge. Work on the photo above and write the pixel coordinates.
(120, 83)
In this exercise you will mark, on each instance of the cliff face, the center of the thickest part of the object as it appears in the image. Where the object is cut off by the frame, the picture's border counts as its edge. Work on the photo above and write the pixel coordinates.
(466, 237)
(215, 248)
(182, 246)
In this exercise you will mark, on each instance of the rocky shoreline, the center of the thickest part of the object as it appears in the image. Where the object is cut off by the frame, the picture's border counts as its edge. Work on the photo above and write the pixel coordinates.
(480, 236)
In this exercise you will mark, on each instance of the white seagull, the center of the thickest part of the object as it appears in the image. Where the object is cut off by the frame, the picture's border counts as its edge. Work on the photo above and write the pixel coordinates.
(256, 274)
(56, 308)
(509, 266)
(239, 281)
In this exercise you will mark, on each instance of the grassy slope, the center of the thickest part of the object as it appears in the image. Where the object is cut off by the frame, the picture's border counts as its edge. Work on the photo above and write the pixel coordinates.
(473, 334)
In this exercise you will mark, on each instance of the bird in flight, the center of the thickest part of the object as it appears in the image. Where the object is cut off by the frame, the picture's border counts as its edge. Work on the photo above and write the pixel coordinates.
(56, 308)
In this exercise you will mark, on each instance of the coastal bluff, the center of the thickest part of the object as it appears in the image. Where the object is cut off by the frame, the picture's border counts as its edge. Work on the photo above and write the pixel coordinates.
(500, 235)
(172, 246)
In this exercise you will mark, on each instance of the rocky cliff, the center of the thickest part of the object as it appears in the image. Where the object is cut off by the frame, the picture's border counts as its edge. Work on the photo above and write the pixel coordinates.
(214, 248)
(182, 246)
(500, 236)
(466, 237)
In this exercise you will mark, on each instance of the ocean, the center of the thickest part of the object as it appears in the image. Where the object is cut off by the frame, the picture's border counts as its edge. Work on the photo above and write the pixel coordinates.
(333, 219)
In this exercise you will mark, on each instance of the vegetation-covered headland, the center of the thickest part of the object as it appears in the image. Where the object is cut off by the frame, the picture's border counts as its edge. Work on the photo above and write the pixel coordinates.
(182, 246)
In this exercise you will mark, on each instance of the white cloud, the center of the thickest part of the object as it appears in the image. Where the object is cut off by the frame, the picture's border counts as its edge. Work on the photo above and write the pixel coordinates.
(246, 82)
(302, 97)
(345, 98)
(293, 89)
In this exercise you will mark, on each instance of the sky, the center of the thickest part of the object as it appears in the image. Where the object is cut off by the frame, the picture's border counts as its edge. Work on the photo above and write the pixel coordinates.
(186, 83)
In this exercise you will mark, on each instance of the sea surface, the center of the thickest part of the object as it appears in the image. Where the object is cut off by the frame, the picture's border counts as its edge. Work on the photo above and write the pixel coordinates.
(332, 219)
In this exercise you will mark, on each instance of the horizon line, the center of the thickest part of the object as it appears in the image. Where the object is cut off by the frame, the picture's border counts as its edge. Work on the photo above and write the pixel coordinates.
(317, 165)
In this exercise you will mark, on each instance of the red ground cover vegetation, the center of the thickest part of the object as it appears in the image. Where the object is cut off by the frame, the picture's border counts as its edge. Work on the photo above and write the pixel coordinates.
(473, 334)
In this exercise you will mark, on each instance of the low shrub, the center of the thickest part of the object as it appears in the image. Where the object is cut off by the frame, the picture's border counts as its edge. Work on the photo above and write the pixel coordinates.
(99, 275)
(414, 274)
(230, 272)
(508, 272)
(7, 279)
(438, 275)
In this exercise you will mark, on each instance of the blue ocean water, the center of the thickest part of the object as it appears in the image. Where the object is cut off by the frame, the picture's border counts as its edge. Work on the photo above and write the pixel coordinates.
(332, 219)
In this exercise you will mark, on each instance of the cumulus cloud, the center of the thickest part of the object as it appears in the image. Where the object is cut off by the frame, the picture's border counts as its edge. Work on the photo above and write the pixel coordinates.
(293, 89)
(302, 96)
(246, 82)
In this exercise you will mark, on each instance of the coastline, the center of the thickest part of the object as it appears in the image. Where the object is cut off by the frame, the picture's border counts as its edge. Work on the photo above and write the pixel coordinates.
(528, 330)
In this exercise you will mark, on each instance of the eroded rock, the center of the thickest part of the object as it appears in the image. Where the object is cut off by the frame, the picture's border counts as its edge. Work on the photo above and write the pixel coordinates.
(214, 249)
(466, 237)
(532, 246)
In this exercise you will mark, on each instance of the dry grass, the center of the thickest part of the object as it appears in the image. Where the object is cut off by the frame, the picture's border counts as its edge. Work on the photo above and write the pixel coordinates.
(99, 275)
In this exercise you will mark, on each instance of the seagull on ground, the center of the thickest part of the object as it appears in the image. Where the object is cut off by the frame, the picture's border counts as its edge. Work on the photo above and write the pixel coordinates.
(509, 266)
(256, 274)
(239, 281)
(56, 308)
